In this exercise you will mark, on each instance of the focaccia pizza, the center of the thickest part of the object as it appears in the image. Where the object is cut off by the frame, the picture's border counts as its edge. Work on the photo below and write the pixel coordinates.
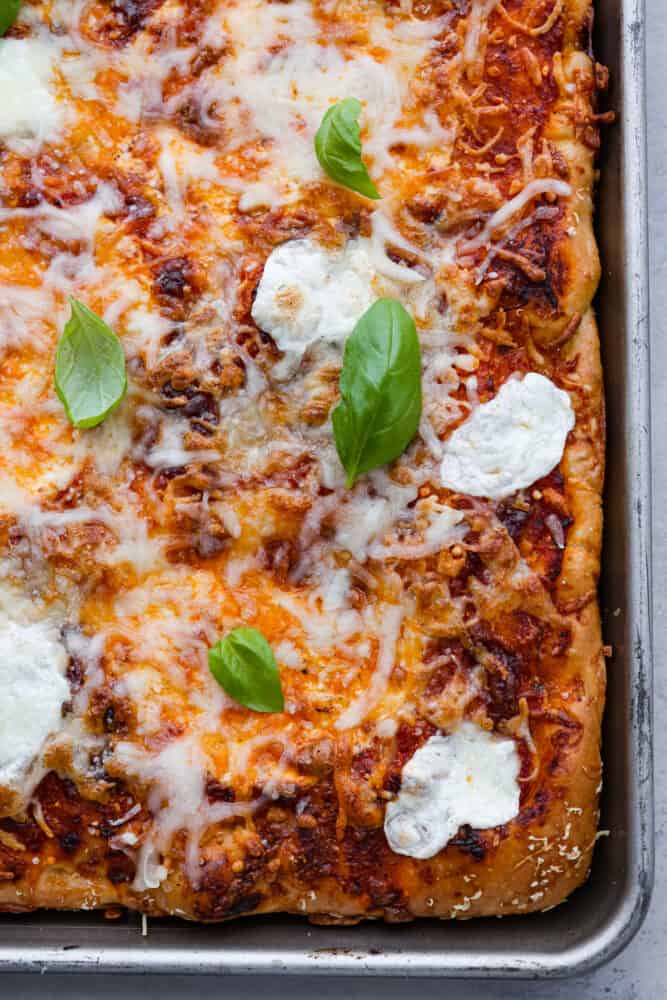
(302, 453)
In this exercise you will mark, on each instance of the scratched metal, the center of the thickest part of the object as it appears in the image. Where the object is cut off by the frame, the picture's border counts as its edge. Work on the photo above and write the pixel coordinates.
(604, 915)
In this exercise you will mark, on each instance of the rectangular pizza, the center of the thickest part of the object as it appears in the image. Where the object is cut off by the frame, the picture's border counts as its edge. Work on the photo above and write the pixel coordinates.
(302, 437)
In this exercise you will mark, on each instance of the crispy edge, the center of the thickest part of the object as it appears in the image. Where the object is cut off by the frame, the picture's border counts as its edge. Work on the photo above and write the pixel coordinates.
(568, 832)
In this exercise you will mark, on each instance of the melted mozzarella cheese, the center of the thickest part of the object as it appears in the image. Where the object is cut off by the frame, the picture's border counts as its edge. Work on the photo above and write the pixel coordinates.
(511, 441)
(364, 517)
(32, 691)
(388, 620)
(443, 526)
(307, 294)
(469, 776)
(280, 79)
(29, 112)
(474, 47)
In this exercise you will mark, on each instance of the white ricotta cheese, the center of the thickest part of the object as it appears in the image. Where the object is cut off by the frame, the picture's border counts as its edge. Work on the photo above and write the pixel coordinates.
(32, 691)
(307, 294)
(511, 441)
(469, 776)
(29, 112)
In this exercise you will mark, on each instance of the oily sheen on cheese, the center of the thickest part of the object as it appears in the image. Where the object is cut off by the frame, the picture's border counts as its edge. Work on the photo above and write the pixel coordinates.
(435, 626)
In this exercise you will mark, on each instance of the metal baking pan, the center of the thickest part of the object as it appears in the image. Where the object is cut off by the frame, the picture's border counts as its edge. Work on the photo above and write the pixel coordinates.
(604, 915)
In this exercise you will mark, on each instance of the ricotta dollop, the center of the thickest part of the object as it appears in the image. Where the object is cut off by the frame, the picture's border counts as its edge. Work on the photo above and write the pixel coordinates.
(32, 691)
(468, 776)
(308, 294)
(508, 443)
(29, 112)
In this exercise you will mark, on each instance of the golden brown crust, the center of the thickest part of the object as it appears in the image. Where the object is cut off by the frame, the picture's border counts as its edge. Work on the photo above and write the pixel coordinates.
(516, 598)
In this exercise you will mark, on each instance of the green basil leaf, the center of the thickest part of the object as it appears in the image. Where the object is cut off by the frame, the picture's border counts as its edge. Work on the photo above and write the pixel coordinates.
(380, 386)
(338, 147)
(90, 368)
(9, 11)
(244, 665)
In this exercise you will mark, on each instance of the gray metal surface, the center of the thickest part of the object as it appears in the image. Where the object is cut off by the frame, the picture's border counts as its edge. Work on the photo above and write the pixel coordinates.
(602, 917)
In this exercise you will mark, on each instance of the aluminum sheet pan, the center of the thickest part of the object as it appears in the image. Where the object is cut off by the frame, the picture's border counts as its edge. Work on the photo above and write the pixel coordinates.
(603, 916)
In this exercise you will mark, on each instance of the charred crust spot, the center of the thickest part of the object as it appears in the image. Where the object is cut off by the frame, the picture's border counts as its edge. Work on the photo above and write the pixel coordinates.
(122, 21)
(68, 818)
(470, 841)
(244, 905)
(174, 279)
(556, 642)
(110, 714)
(27, 832)
(120, 868)
(70, 842)
(280, 556)
(369, 872)
(316, 852)
(217, 792)
(564, 741)
(222, 893)
(392, 782)
(177, 285)
(387, 897)
(535, 809)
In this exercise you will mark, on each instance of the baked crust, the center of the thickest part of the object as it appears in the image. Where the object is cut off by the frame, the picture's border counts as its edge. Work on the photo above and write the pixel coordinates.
(313, 840)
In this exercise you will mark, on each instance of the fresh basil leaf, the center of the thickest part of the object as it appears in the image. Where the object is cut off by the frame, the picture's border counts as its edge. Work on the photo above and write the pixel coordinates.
(380, 386)
(9, 11)
(244, 665)
(338, 147)
(90, 368)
